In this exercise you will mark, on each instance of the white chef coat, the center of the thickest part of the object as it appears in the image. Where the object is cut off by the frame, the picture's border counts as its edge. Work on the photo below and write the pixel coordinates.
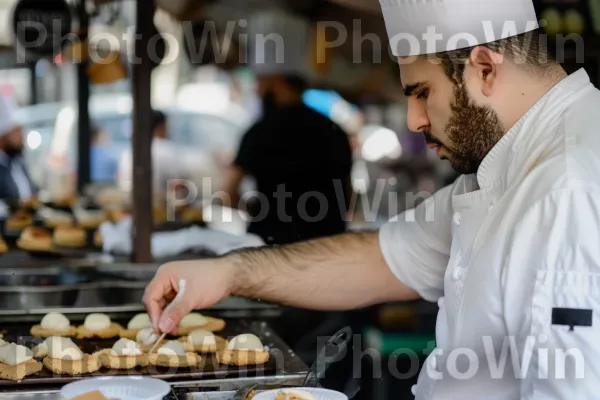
(506, 251)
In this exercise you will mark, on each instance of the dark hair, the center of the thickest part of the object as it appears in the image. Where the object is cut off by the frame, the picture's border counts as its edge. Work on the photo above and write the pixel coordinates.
(296, 82)
(528, 50)
(158, 118)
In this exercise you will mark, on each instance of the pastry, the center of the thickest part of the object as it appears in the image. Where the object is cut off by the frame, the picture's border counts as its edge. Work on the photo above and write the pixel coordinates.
(117, 215)
(173, 354)
(146, 338)
(90, 219)
(246, 349)
(98, 239)
(31, 203)
(201, 341)
(159, 215)
(35, 239)
(197, 321)
(18, 221)
(294, 394)
(64, 357)
(125, 354)
(55, 218)
(64, 201)
(16, 362)
(3, 246)
(192, 215)
(137, 323)
(70, 236)
(98, 326)
(53, 324)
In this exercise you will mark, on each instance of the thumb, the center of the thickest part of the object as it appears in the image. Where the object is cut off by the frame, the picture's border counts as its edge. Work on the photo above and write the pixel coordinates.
(172, 315)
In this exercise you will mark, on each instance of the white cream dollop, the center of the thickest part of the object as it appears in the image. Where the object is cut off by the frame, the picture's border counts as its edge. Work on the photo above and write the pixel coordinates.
(140, 321)
(172, 348)
(202, 338)
(14, 354)
(96, 322)
(193, 319)
(246, 341)
(3, 343)
(55, 322)
(62, 348)
(125, 347)
(146, 336)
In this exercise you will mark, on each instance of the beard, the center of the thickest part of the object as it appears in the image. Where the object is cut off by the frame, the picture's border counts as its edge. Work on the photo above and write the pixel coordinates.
(473, 131)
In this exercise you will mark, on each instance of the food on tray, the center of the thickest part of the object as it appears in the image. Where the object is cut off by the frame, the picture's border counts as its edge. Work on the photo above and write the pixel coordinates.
(192, 215)
(245, 349)
(70, 236)
(90, 219)
(35, 239)
(3, 246)
(146, 338)
(98, 242)
(125, 354)
(18, 221)
(196, 321)
(16, 362)
(159, 215)
(117, 215)
(98, 326)
(173, 354)
(95, 395)
(201, 341)
(55, 218)
(31, 203)
(64, 201)
(53, 324)
(136, 323)
(64, 357)
(294, 394)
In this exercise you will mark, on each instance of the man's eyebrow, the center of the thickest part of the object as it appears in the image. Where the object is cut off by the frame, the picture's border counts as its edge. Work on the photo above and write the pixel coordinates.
(409, 89)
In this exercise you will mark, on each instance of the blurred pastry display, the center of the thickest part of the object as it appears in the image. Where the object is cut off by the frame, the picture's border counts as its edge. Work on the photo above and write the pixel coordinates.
(64, 357)
(54, 324)
(192, 215)
(98, 326)
(70, 236)
(3, 246)
(137, 323)
(31, 203)
(90, 219)
(18, 221)
(98, 239)
(109, 198)
(55, 218)
(245, 349)
(117, 215)
(201, 341)
(197, 321)
(159, 215)
(125, 354)
(173, 354)
(64, 201)
(16, 362)
(36, 239)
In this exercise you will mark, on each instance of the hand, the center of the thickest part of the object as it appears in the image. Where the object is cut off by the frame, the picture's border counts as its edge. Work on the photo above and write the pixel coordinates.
(207, 283)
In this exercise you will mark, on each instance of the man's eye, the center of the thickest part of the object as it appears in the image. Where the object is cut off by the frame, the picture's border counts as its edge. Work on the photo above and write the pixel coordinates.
(423, 94)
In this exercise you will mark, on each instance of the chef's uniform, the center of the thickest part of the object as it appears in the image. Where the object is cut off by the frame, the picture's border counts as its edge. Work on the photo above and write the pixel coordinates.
(512, 255)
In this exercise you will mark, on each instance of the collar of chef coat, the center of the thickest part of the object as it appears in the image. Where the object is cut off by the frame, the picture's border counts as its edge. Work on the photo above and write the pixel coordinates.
(506, 157)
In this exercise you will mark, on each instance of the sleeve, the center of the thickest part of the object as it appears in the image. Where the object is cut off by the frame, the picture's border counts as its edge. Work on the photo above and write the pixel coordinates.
(416, 244)
(551, 286)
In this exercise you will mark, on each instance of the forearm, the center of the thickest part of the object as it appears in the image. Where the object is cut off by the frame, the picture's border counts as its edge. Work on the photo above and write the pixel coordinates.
(336, 273)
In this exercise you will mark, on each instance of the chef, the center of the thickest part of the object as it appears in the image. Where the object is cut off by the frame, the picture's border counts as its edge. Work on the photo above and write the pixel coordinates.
(15, 183)
(509, 251)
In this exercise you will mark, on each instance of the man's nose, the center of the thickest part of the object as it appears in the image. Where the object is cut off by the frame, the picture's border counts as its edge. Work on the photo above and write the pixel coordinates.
(418, 121)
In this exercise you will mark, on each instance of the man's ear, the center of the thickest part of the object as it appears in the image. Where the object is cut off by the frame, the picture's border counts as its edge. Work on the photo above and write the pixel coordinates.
(484, 63)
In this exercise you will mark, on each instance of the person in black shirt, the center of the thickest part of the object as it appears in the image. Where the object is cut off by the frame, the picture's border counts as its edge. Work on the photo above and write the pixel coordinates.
(301, 162)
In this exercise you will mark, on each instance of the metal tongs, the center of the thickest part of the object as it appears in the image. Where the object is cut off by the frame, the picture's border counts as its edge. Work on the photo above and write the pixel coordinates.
(328, 354)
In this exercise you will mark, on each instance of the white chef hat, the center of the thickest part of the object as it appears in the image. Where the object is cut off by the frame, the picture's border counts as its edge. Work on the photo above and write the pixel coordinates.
(8, 115)
(417, 27)
(278, 43)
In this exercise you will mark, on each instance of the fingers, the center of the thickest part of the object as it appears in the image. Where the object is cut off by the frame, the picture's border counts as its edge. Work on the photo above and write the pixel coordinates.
(173, 314)
(155, 299)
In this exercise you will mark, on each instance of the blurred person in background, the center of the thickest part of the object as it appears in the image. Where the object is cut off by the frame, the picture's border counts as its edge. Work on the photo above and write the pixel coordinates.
(293, 152)
(104, 160)
(15, 183)
(165, 160)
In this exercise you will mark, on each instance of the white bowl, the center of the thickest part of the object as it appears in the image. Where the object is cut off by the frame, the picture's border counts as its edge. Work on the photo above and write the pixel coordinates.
(319, 394)
(130, 388)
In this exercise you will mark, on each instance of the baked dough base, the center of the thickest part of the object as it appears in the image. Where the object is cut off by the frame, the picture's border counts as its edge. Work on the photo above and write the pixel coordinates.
(165, 360)
(108, 333)
(242, 357)
(87, 365)
(19, 371)
(35, 245)
(213, 325)
(74, 240)
(220, 346)
(38, 331)
(107, 360)
(129, 333)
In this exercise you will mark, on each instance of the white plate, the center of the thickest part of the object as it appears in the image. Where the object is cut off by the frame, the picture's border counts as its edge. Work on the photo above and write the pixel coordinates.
(319, 394)
(131, 388)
